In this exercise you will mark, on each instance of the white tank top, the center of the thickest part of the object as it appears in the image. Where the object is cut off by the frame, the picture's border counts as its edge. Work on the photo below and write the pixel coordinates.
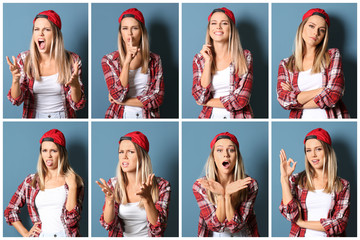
(134, 218)
(49, 204)
(137, 85)
(306, 82)
(48, 95)
(220, 86)
(318, 205)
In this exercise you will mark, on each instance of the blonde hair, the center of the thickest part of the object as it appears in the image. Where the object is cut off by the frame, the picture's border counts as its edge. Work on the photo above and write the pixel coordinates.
(211, 172)
(235, 49)
(144, 48)
(144, 168)
(63, 168)
(322, 57)
(329, 169)
(57, 51)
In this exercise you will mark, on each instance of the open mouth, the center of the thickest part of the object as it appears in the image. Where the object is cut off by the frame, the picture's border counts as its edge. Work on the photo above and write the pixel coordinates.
(124, 164)
(41, 44)
(315, 161)
(225, 164)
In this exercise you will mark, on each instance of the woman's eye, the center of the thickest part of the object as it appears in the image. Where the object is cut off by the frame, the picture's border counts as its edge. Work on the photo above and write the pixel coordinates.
(232, 150)
(322, 30)
(312, 26)
(219, 150)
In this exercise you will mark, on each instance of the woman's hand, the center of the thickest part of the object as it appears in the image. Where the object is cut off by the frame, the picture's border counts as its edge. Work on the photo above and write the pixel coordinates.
(145, 189)
(286, 86)
(14, 69)
(206, 52)
(35, 230)
(285, 165)
(109, 194)
(131, 52)
(212, 186)
(70, 179)
(237, 185)
(74, 80)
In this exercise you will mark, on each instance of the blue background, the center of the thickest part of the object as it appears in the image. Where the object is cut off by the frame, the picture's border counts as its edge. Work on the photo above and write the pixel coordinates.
(342, 35)
(17, 33)
(343, 136)
(163, 138)
(21, 151)
(252, 24)
(161, 21)
(253, 141)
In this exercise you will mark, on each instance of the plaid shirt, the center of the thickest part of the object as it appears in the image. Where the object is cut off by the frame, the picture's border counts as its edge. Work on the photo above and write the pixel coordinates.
(152, 96)
(238, 101)
(27, 91)
(27, 194)
(329, 99)
(338, 214)
(244, 216)
(116, 226)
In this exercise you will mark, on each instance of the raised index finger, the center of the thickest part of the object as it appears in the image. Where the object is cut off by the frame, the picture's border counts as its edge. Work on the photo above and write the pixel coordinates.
(8, 61)
(14, 59)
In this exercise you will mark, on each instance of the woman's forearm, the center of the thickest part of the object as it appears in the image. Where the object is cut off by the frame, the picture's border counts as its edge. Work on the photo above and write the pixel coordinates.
(313, 225)
(20, 228)
(133, 102)
(124, 74)
(76, 94)
(310, 105)
(206, 76)
(214, 102)
(306, 96)
(229, 208)
(151, 211)
(286, 192)
(71, 200)
(109, 211)
(15, 89)
(220, 209)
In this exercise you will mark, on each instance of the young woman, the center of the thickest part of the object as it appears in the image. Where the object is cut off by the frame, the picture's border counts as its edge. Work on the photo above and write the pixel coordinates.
(47, 78)
(311, 80)
(53, 195)
(316, 200)
(136, 202)
(226, 195)
(223, 71)
(133, 74)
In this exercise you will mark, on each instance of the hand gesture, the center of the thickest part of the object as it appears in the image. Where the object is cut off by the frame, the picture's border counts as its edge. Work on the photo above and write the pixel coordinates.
(212, 186)
(237, 185)
(70, 179)
(109, 194)
(14, 69)
(35, 230)
(145, 188)
(131, 51)
(74, 79)
(112, 100)
(206, 52)
(286, 86)
(285, 165)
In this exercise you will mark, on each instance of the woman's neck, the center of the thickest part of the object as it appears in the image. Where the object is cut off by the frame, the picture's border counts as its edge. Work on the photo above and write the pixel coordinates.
(221, 49)
(131, 177)
(310, 52)
(52, 174)
(225, 179)
(45, 57)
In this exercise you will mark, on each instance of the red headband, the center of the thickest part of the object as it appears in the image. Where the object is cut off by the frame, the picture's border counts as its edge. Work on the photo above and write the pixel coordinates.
(227, 12)
(138, 138)
(55, 136)
(50, 15)
(224, 135)
(317, 11)
(133, 12)
(319, 134)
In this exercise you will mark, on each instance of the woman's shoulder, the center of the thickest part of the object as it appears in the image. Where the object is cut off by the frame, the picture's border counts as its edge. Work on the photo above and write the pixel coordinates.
(112, 56)
(154, 56)
(344, 182)
(73, 55)
(28, 180)
(333, 51)
(247, 52)
(162, 182)
(197, 186)
(22, 55)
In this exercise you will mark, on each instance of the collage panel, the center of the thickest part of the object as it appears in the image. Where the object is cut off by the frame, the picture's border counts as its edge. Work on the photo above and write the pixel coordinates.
(325, 157)
(248, 75)
(332, 93)
(57, 95)
(158, 94)
(209, 149)
(61, 167)
(111, 161)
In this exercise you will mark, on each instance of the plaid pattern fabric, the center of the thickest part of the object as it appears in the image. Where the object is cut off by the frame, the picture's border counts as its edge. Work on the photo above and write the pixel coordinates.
(238, 101)
(152, 96)
(27, 92)
(116, 227)
(329, 99)
(244, 217)
(338, 216)
(26, 194)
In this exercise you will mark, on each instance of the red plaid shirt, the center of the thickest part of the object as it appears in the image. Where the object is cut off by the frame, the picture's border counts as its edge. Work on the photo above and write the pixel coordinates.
(27, 194)
(338, 215)
(238, 101)
(244, 216)
(329, 99)
(152, 96)
(116, 227)
(27, 92)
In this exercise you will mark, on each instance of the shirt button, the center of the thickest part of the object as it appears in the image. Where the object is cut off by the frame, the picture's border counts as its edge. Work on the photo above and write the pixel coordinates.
(49, 116)
(55, 235)
(224, 117)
